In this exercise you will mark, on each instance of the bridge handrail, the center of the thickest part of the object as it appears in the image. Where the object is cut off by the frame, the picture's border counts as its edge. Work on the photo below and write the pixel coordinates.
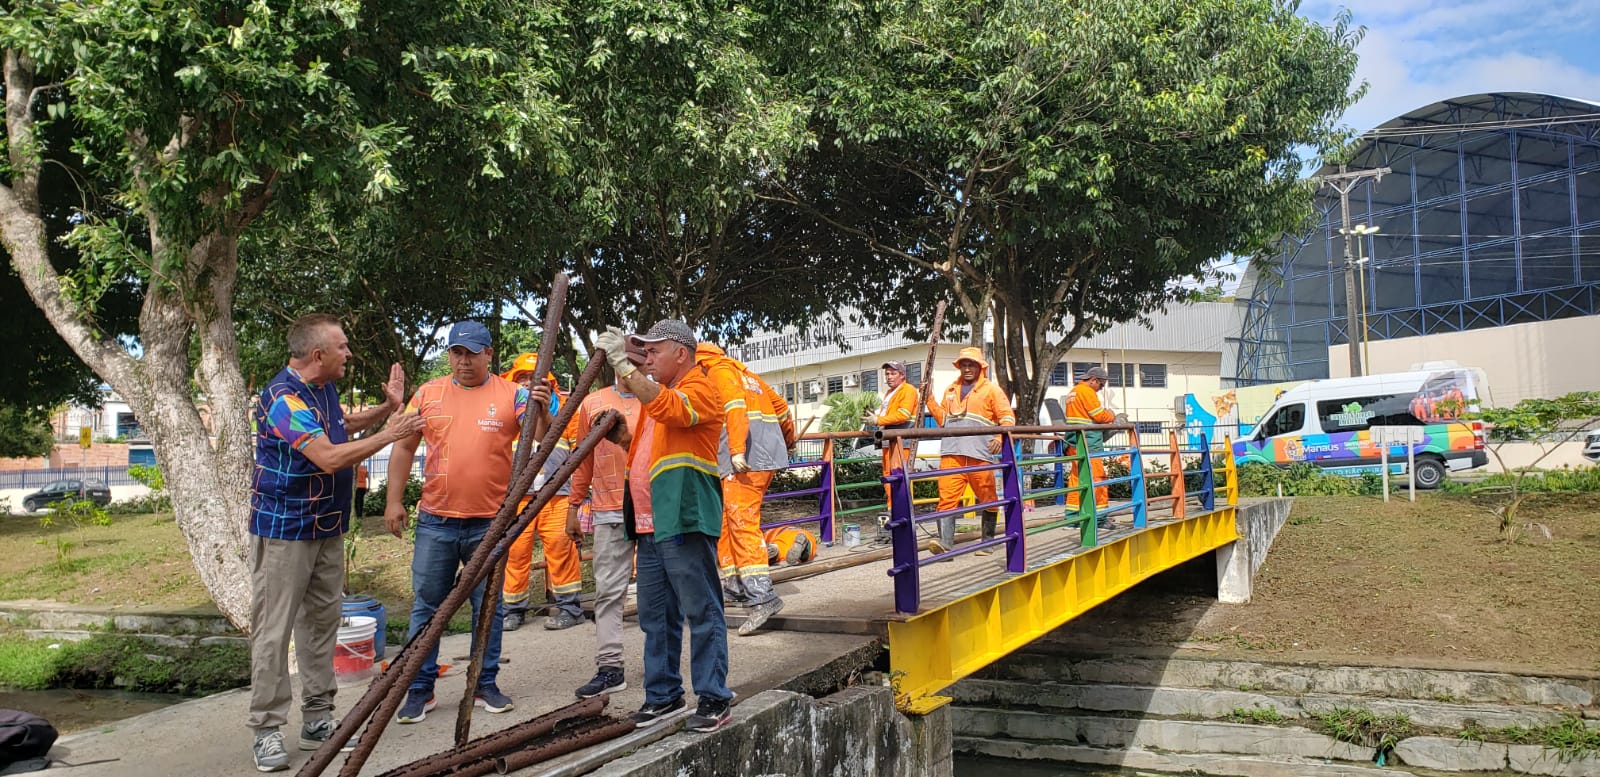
(1069, 449)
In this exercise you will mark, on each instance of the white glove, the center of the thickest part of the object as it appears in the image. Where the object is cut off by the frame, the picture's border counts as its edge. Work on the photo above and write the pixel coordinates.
(616, 347)
(538, 481)
(739, 464)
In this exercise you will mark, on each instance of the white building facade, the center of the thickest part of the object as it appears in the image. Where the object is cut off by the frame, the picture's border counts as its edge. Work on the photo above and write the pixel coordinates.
(1151, 368)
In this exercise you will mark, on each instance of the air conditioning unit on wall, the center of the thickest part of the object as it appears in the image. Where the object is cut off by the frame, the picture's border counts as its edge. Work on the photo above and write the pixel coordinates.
(849, 381)
(814, 388)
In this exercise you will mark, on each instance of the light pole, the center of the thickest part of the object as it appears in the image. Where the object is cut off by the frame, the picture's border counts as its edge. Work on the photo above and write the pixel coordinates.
(1361, 231)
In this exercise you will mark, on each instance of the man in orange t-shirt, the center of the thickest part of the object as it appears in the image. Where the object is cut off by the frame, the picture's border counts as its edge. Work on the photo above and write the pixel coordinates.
(471, 417)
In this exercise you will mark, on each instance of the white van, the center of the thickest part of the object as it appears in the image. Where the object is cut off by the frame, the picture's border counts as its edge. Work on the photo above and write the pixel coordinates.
(1327, 423)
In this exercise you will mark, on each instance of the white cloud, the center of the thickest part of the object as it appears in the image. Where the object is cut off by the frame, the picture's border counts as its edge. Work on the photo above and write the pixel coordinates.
(1418, 52)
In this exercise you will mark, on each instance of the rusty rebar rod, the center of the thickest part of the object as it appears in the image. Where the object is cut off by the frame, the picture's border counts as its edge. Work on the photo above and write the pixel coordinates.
(588, 733)
(381, 695)
(490, 551)
(502, 741)
(489, 604)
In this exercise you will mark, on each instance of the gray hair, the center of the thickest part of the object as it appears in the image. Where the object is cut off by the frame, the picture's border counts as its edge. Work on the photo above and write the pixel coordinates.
(308, 333)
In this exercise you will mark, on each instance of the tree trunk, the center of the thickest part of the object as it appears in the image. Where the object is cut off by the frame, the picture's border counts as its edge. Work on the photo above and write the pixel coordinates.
(209, 484)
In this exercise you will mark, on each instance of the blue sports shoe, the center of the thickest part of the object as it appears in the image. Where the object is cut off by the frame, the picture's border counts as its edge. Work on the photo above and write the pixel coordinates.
(491, 699)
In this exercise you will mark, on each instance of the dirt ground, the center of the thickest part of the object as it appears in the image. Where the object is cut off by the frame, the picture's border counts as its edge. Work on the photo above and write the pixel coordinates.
(1348, 579)
(1352, 579)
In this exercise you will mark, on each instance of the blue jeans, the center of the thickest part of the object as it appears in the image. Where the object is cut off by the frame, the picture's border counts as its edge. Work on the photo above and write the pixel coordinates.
(678, 581)
(443, 546)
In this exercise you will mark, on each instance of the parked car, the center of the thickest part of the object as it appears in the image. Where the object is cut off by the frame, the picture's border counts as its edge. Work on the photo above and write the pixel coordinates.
(1591, 445)
(62, 490)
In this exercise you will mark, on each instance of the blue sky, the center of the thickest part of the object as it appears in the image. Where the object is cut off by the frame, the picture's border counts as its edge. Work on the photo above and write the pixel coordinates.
(1420, 51)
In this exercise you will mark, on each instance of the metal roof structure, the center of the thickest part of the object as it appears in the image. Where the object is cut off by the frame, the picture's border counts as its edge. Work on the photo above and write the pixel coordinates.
(1490, 216)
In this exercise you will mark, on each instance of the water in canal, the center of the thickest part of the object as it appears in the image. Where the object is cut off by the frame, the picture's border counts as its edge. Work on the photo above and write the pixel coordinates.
(984, 766)
(72, 710)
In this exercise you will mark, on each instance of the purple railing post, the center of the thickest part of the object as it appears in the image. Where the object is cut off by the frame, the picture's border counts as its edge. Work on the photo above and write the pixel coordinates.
(825, 509)
(903, 533)
(1011, 492)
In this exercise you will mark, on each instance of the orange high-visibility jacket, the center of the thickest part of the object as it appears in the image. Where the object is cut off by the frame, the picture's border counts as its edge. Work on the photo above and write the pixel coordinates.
(899, 408)
(1083, 407)
(757, 424)
(685, 490)
(985, 405)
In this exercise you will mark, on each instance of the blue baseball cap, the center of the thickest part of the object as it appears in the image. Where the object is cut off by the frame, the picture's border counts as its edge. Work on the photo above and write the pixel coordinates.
(470, 335)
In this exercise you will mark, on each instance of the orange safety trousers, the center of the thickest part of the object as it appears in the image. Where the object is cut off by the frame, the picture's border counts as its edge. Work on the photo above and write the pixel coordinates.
(1102, 494)
(953, 487)
(741, 551)
(562, 567)
(888, 466)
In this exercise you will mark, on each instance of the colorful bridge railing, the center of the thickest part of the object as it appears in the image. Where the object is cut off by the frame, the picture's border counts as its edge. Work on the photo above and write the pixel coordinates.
(1191, 472)
(1069, 453)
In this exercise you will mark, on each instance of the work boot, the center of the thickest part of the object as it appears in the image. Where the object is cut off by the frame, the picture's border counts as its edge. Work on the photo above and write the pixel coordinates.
(513, 620)
(562, 620)
(759, 613)
(733, 591)
(989, 521)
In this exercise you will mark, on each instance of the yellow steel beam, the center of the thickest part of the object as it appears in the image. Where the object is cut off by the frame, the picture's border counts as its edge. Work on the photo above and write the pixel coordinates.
(931, 650)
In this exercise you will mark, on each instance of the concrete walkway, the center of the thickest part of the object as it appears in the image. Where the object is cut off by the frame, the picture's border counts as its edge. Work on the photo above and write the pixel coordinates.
(207, 737)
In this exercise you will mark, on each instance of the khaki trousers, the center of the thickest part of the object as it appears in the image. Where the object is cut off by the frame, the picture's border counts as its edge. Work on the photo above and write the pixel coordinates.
(295, 589)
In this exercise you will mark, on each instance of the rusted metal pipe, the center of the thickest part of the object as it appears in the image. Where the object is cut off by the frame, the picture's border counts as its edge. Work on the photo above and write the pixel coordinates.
(590, 732)
(505, 740)
(487, 612)
(383, 696)
(547, 354)
(488, 552)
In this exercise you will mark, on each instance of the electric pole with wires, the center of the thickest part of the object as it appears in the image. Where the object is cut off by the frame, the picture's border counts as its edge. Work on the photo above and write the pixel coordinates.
(1344, 182)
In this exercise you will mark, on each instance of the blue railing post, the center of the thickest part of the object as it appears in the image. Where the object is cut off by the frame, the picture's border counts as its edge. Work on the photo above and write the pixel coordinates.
(1058, 448)
(1208, 481)
(1141, 496)
(903, 534)
(827, 497)
(1011, 492)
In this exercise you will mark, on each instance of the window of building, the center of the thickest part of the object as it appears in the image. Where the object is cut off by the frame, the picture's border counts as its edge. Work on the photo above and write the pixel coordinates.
(812, 389)
(914, 373)
(788, 393)
(869, 380)
(1080, 369)
(1153, 375)
(835, 384)
(1121, 375)
(1061, 375)
(1358, 413)
(1147, 427)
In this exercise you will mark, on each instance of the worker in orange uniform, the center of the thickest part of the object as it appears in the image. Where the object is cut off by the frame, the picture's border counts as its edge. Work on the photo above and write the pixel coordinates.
(562, 566)
(1083, 407)
(899, 411)
(601, 478)
(757, 433)
(974, 401)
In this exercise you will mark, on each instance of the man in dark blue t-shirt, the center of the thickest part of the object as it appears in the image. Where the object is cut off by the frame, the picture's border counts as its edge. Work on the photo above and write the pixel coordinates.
(299, 511)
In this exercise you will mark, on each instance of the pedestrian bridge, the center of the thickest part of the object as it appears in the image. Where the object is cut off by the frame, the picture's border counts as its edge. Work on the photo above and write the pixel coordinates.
(945, 613)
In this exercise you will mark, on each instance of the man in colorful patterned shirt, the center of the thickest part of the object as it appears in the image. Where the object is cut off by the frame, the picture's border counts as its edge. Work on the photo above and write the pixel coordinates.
(472, 417)
(299, 511)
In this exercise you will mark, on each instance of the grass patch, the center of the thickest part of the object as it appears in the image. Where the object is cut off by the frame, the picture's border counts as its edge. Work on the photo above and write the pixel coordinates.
(1361, 727)
(124, 662)
(1261, 716)
(1571, 738)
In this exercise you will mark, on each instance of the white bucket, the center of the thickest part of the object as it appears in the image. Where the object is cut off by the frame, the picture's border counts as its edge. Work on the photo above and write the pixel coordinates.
(352, 654)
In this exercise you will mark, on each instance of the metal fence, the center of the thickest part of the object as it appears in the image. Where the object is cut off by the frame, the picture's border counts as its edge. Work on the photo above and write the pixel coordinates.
(111, 475)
